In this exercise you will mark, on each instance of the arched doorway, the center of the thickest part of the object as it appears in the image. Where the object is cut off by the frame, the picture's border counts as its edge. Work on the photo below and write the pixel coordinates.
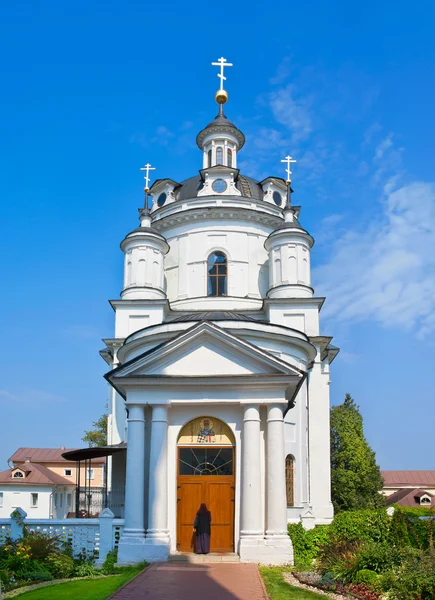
(206, 473)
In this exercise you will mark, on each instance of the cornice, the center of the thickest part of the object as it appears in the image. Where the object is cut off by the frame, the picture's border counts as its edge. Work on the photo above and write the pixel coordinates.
(240, 209)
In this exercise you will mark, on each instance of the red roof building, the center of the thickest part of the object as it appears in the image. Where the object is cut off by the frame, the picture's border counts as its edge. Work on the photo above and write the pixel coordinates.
(409, 488)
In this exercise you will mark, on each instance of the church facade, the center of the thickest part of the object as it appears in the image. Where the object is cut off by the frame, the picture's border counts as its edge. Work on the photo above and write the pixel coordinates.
(219, 380)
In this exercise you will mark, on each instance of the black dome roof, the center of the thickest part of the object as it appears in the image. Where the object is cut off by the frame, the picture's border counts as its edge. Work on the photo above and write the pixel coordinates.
(248, 187)
(220, 125)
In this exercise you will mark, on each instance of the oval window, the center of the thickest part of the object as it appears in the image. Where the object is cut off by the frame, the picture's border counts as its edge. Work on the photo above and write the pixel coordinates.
(161, 200)
(277, 198)
(219, 186)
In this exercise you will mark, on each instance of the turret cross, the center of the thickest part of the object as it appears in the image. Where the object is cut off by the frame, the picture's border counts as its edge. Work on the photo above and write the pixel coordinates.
(289, 160)
(147, 168)
(222, 63)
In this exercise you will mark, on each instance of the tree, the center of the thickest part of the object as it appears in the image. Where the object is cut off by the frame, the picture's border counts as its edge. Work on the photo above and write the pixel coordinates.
(355, 477)
(98, 435)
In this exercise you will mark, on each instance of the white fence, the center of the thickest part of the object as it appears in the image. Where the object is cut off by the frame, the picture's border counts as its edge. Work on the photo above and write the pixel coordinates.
(95, 537)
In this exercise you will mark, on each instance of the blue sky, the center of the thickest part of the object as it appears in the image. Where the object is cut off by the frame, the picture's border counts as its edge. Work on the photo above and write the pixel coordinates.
(90, 91)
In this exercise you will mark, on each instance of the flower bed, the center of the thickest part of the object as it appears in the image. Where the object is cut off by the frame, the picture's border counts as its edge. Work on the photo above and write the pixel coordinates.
(39, 558)
(369, 554)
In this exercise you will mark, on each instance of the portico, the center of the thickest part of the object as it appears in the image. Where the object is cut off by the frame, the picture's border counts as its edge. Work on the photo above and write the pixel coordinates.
(246, 393)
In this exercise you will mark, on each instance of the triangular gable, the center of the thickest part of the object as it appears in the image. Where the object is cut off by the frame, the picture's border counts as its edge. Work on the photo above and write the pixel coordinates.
(203, 350)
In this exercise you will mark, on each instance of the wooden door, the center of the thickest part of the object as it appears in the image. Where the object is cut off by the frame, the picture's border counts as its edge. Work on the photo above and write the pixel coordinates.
(220, 502)
(216, 491)
(189, 498)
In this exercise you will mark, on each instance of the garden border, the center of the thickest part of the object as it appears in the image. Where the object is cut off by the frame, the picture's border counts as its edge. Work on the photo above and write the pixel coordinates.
(35, 586)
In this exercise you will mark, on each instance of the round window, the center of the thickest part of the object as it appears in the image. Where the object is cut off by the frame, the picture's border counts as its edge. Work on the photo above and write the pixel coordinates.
(219, 186)
(277, 198)
(161, 200)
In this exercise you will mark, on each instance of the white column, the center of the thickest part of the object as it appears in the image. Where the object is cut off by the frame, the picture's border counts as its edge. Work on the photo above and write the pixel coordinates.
(275, 461)
(158, 532)
(135, 475)
(251, 484)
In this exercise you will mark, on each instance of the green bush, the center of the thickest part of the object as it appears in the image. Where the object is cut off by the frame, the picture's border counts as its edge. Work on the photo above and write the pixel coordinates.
(307, 544)
(398, 535)
(85, 569)
(414, 579)
(108, 567)
(367, 577)
(361, 525)
(6, 579)
(378, 557)
(17, 564)
(61, 566)
(39, 573)
(339, 557)
(40, 545)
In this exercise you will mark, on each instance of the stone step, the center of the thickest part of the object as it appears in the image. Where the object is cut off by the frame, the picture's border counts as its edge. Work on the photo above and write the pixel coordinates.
(213, 557)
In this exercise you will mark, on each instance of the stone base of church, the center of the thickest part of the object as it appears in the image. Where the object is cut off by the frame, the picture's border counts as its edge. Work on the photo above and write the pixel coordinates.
(131, 550)
(266, 551)
(135, 550)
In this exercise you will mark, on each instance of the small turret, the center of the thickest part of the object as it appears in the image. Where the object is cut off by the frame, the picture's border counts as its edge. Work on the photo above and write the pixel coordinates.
(289, 249)
(144, 251)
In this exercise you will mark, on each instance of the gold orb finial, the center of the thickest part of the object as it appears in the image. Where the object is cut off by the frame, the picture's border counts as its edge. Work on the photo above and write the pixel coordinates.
(221, 96)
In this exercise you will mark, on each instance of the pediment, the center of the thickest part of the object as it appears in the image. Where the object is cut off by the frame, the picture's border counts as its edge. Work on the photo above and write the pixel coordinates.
(204, 350)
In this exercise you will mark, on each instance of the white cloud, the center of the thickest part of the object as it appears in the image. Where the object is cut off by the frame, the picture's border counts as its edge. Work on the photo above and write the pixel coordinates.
(386, 270)
(383, 146)
(283, 71)
(268, 138)
(292, 112)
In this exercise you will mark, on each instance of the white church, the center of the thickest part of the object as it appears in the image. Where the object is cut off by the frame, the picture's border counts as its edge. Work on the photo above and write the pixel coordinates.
(219, 380)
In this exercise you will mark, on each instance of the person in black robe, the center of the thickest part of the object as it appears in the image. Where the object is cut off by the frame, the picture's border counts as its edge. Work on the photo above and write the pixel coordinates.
(201, 527)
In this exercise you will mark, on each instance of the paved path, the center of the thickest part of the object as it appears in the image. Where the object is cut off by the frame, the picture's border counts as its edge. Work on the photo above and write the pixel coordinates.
(218, 581)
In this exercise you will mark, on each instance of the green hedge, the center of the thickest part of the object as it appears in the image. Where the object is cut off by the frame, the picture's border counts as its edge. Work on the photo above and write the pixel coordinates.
(306, 544)
(407, 529)
(361, 525)
(404, 530)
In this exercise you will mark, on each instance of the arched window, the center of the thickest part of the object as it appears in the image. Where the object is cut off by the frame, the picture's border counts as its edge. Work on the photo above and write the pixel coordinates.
(219, 156)
(229, 158)
(290, 479)
(209, 158)
(217, 274)
(18, 475)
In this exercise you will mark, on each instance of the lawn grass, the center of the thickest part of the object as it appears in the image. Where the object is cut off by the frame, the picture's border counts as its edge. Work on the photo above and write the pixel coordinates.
(278, 589)
(85, 589)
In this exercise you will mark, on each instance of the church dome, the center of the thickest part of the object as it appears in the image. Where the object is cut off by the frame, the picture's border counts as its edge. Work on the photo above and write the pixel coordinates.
(247, 186)
(220, 125)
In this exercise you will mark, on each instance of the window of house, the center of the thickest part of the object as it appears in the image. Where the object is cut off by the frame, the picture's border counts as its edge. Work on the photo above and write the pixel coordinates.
(18, 475)
(209, 158)
(217, 274)
(55, 499)
(1, 498)
(68, 499)
(290, 479)
(219, 156)
(424, 500)
(229, 157)
(90, 474)
(61, 500)
(67, 472)
(33, 500)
